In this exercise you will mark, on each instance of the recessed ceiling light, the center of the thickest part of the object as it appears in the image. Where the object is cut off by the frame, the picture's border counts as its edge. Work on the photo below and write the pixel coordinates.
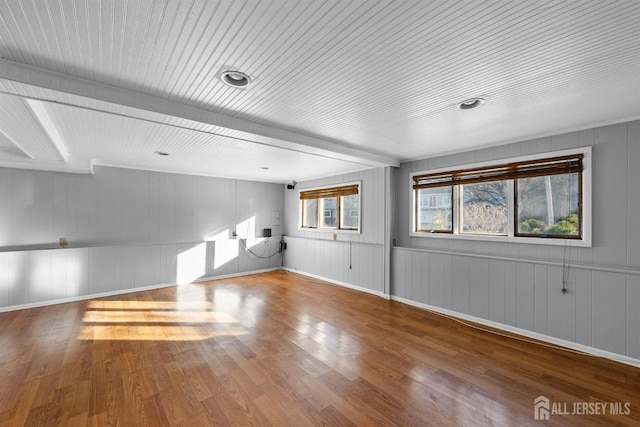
(264, 168)
(470, 103)
(161, 153)
(235, 78)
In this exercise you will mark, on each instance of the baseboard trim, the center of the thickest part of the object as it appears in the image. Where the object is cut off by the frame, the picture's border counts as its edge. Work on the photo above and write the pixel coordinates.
(126, 291)
(230, 276)
(524, 332)
(337, 282)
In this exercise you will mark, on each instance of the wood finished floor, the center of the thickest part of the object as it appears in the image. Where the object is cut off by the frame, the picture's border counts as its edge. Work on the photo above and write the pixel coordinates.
(273, 349)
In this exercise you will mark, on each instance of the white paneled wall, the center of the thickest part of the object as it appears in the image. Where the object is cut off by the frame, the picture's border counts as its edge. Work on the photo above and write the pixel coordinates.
(372, 207)
(29, 278)
(127, 229)
(355, 265)
(519, 285)
(317, 253)
(599, 310)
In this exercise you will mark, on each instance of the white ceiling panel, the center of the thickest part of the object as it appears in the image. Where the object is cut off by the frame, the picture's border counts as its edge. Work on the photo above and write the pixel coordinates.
(117, 140)
(349, 83)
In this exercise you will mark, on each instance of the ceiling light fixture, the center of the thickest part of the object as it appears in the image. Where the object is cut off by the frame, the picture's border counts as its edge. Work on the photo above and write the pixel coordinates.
(235, 78)
(265, 168)
(161, 153)
(470, 103)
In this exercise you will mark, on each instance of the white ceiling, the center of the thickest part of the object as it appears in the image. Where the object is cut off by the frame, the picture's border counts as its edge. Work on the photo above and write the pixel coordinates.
(337, 86)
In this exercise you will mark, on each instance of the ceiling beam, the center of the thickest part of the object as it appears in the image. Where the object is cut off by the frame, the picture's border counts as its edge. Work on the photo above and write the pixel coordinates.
(245, 129)
(39, 112)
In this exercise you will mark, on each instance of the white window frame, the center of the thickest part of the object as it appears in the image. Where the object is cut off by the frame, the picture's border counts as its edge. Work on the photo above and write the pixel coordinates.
(510, 237)
(332, 230)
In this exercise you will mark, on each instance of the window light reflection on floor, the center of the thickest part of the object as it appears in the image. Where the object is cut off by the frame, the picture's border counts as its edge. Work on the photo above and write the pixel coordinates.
(156, 321)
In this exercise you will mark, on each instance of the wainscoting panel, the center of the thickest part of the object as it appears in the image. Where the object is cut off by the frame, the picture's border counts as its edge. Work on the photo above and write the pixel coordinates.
(355, 264)
(597, 309)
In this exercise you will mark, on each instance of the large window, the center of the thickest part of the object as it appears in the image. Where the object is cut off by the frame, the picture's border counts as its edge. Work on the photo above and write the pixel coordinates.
(525, 199)
(331, 208)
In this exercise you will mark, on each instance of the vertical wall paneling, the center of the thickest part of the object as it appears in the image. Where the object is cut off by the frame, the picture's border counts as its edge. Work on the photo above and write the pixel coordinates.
(40, 279)
(420, 291)
(42, 199)
(398, 272)
(92, 263)
(541, 299)
(389, 204)
(497, 291)
(479, 289)
(128, 265)
(22, 194)
(18, 266)
(5, 207)
(108, 269)
(584, 303)
(633, 316)
(155, 267)
(61, 212)
(461, 284)
(142, 218)
(77, 272)
(610, 190)
(109, 230)
(126, 229)
(525, 281)
(436, 279)
(525, 291)
(561, 307)
(142, 266)
(59, 273)
(330, 259)
(609, 307)
(4, 279)
(632, 199)
(448, 264)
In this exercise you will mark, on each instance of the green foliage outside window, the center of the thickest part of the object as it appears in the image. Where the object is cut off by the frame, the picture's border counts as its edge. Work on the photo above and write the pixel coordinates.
(568, 226)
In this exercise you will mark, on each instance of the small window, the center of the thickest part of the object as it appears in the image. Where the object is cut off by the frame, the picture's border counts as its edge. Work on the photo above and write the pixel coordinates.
(525, 199)
(310, 213)
(431, 216)
(548, 206)
(331, 208)
(484, 208)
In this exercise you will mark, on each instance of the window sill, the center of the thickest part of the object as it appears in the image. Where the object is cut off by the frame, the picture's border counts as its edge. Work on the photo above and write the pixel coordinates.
(329, 230)
(506, 239)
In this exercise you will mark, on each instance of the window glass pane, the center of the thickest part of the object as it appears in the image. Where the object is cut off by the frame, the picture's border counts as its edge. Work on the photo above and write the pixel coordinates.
(549, 205)
(484, 208)
(434, 210)
(310, 213)
(349, 211)
(330, 213)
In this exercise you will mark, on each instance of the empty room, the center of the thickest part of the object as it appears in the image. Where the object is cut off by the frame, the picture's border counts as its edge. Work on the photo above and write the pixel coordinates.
(333, 213)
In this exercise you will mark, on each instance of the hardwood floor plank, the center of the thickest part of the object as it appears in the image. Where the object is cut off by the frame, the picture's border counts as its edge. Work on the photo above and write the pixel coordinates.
(276, 349)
